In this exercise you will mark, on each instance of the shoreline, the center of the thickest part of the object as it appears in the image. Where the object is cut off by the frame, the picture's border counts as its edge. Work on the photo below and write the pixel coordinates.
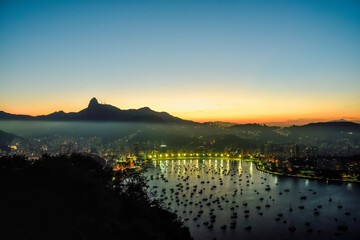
(205, 158)
(257, 167)
(307, 177)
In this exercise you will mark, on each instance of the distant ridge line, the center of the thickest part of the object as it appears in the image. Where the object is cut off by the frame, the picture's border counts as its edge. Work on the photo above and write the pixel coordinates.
(104, 112)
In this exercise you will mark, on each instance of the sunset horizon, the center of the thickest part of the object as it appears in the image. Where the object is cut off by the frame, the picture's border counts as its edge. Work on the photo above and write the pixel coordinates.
(261, 61)
(212, 115)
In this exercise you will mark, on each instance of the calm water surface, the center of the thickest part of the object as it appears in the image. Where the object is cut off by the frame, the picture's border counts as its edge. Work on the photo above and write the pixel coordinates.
(211, 194)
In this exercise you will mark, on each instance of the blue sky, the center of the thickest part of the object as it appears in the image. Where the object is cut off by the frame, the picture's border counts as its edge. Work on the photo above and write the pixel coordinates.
(258, 60)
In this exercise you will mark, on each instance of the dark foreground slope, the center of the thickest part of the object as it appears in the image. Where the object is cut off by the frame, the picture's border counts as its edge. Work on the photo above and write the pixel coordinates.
(74, 198)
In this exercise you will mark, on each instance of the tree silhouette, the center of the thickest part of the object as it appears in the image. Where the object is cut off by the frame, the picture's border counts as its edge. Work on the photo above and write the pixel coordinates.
(76, 197)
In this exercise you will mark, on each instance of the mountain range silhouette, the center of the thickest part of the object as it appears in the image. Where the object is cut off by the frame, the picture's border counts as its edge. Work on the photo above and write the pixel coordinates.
(102, 112)
(108, 113)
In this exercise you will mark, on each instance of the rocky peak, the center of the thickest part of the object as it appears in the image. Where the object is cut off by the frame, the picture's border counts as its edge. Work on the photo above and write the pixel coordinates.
(93, 102)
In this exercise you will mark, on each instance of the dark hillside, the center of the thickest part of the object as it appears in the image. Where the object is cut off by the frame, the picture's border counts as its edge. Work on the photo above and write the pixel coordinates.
(75, 198)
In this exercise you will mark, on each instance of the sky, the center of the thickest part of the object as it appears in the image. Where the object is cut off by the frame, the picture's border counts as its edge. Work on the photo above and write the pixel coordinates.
(239, 61)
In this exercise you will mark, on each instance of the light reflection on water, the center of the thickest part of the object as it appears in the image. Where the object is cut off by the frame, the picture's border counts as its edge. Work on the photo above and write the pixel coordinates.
(243, 183)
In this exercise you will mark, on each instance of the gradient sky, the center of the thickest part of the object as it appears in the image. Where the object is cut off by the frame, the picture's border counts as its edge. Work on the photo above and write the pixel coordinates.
(239, 61)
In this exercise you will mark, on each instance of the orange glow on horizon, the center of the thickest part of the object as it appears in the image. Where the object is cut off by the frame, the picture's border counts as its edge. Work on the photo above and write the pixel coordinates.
(213, 106)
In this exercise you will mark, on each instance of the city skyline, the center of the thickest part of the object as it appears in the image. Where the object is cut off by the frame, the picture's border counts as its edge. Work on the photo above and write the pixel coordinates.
(235, 61)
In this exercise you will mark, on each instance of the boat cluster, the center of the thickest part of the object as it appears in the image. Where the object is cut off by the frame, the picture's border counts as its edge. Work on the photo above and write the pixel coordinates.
(206, 196)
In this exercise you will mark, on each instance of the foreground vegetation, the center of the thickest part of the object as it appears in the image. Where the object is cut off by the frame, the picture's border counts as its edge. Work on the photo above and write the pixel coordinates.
(75, 197)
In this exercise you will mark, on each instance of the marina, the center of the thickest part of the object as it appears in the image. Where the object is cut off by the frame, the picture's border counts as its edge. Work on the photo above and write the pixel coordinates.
(226, 199)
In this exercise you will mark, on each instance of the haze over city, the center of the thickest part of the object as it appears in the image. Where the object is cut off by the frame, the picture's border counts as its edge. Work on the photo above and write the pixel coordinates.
(280, 62)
